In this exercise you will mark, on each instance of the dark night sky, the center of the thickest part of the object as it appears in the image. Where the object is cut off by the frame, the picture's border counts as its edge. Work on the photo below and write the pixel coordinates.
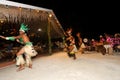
(88, 18)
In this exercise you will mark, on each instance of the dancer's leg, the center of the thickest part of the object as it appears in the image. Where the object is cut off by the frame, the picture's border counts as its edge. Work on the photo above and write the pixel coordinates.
(20, 60)
(28, 61)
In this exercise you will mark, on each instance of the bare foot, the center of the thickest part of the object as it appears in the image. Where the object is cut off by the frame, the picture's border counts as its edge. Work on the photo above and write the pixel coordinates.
(30, 66)
(20, 68)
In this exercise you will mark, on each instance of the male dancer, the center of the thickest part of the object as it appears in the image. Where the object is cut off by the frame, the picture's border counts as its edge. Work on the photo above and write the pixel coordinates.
(71, 47)
(27, 49)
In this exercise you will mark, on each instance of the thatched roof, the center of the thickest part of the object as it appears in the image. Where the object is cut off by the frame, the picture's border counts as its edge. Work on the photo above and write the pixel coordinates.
(37, 18)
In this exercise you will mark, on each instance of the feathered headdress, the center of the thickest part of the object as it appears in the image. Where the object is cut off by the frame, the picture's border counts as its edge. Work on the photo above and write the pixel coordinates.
(23, 27)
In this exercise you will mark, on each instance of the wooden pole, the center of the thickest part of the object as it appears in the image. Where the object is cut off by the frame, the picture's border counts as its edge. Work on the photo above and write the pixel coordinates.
(49, 36)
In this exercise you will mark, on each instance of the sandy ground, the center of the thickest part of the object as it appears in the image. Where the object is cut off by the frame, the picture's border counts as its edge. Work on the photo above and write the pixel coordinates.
(88, 66)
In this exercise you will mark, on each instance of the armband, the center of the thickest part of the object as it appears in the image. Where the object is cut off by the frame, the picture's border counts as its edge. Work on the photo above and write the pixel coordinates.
(10, 38)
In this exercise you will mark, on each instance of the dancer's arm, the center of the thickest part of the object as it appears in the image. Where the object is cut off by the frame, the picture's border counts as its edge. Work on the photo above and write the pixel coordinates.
(2, 37)
(8, 38)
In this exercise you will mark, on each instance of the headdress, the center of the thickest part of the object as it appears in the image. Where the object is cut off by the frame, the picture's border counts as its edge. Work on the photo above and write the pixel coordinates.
(23, 27)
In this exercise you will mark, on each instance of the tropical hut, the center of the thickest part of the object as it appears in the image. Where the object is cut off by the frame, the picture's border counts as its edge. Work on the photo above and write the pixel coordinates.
(44, 26)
